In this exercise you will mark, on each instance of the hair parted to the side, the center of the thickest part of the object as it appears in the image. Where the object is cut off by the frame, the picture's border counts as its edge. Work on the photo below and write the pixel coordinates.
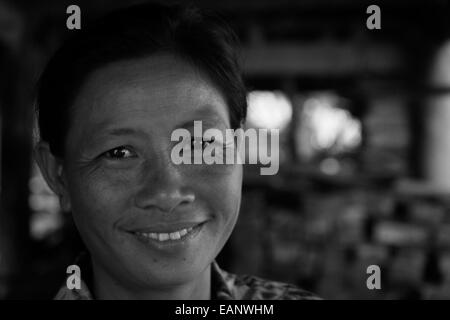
(196, 36)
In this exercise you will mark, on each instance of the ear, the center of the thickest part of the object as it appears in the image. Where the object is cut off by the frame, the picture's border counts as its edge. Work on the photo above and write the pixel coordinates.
(53, 172)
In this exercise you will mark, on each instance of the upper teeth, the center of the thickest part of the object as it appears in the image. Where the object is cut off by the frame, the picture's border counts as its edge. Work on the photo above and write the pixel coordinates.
(166, 236)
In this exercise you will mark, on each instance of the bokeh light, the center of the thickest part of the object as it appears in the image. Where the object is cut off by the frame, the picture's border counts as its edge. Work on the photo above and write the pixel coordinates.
(269, 110)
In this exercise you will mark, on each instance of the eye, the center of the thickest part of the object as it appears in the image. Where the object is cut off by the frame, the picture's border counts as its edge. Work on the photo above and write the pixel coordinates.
(120, 153)
(202, 141)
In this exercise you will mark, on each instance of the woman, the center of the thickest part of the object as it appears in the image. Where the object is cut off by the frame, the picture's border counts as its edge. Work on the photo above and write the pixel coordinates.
(108, 102)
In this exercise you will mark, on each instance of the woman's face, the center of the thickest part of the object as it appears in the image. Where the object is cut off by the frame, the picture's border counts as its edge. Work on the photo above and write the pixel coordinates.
(123, 188)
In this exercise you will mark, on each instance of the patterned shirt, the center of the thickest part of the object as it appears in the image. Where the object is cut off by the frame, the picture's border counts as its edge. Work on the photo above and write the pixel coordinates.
(225, 286)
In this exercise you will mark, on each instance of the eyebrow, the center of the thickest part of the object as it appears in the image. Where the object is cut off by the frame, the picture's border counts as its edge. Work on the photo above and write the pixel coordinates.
(204, 112)
(123, 132)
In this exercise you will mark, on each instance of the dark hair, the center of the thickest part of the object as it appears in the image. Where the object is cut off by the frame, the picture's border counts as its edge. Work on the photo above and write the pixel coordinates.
(198, 37)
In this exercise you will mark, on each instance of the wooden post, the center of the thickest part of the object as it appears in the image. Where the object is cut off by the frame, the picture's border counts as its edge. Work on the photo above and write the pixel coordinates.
(437, 123)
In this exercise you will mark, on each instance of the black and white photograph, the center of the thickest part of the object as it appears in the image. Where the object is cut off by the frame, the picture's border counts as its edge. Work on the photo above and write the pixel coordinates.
(225, 150)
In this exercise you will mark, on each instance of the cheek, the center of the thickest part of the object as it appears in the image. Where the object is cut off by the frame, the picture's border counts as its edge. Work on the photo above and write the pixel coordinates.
(98, 201)
(223, 194)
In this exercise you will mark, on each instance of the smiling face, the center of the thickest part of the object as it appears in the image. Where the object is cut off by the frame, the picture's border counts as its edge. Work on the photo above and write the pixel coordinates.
(123, 189)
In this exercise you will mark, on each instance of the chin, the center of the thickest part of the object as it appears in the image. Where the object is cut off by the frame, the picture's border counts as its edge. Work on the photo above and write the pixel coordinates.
(172, 275)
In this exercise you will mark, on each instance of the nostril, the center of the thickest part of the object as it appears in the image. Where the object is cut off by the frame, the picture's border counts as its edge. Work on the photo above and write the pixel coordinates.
(164, 200)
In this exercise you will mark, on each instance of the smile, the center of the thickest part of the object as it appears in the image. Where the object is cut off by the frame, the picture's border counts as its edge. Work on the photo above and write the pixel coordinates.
(169, 237)
(166, 236)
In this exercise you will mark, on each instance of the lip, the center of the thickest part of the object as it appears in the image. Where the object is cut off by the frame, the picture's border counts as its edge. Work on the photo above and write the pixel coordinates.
(166, 227)
(172, 243)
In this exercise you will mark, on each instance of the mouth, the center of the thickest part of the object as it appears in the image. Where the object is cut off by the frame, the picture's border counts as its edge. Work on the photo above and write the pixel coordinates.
(173, 237)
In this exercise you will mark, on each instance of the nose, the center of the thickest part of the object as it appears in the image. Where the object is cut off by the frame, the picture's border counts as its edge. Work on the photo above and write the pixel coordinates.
(163, 188)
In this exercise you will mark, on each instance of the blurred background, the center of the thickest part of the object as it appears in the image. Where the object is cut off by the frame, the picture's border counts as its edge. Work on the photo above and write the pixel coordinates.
(364, 119)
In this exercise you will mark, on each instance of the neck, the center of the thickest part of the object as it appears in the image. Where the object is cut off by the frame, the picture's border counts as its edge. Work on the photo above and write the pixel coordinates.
(107, 288)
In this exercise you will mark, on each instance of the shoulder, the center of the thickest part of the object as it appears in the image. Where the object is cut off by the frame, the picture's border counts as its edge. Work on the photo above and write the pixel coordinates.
(65, 293)
(263, 289)
(247, 287)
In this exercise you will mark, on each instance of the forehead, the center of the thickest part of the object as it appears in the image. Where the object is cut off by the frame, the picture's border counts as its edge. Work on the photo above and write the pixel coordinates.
(158, 92)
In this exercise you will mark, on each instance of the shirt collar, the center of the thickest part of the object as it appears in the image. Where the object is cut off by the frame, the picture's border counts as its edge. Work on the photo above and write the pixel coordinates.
(221, 283)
